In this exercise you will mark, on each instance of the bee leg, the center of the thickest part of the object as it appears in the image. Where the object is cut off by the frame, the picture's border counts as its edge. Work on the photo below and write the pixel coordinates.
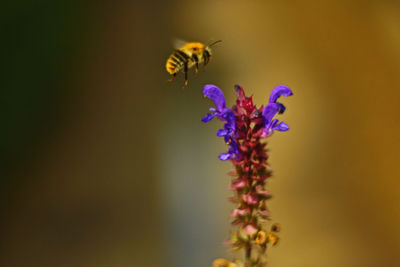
(196, 63)
(172, 78)
(185, 70)
(205, 61)
(206, 58)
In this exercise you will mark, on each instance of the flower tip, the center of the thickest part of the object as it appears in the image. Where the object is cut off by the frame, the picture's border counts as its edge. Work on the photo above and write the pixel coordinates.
(209, 88)
(222, 132)
(208, 117)
(284, 89)
(278, 91)
(215, 94)
(224, 156)
(237, 88)
(283, 127)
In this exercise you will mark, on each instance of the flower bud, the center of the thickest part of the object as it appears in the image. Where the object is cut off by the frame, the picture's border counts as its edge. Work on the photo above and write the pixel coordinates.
(261, 238)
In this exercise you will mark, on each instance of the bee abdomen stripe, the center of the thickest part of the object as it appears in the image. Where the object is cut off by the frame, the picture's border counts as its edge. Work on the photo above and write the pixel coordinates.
(176, 60)
(181, 55)
(172, 64)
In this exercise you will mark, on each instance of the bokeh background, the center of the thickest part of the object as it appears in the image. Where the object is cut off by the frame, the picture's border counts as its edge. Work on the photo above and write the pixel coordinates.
(104, 163)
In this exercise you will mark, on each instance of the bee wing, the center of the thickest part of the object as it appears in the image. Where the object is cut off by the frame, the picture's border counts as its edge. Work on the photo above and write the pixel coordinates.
(178, 43)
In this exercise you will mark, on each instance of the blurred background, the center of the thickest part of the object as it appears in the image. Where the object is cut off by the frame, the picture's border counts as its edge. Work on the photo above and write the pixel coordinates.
(104, 163)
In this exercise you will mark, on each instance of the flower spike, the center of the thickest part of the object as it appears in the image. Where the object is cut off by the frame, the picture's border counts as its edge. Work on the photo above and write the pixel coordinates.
(245, 126)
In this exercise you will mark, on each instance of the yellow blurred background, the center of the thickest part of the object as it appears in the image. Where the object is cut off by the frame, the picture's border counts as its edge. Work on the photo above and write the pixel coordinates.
(104, 163)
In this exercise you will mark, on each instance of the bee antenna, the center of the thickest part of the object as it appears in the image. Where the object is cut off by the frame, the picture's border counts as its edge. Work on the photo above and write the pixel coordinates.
(216, 42)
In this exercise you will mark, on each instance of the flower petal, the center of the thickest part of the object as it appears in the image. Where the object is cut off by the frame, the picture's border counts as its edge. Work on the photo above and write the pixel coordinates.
(272, 124)
(239, 183)
(234, 149)
(225, 156)
(208, 117)
(228, 116)
(281, 127)
(250, 199)
(280, 90)
(222, 132)
(269, 112)
(250, 230)
(262, 192)
(263, 213)
(215, 94)
(239, 212)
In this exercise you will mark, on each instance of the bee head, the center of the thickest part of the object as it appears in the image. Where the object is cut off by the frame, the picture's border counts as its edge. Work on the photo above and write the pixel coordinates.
(208, 47)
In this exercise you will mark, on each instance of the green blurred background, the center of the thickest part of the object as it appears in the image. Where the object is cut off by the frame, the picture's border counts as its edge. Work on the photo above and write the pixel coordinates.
(104, 163)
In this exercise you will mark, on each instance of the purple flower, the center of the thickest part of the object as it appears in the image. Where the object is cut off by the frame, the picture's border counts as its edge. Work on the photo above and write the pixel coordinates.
(273, 108)
(233, 151)
(223, 114)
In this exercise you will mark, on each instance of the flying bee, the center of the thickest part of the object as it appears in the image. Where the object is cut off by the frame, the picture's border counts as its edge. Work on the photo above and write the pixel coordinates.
(186, 56)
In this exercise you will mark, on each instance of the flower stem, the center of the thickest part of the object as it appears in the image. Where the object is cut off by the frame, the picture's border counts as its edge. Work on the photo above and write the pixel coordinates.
(248, 262)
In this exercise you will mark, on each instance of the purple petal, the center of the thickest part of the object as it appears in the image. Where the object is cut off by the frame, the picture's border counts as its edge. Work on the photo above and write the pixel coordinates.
(222, 132)
(208, 117)
(227, 139)
(272, 124)
(280, 90)
(215, 94)
(281, 127)
(224, 156)
(269, 112)
(228, 116)
(234, 148)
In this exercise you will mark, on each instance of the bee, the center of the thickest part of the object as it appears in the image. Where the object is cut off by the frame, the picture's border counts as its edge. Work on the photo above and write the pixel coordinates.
(186, 56)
